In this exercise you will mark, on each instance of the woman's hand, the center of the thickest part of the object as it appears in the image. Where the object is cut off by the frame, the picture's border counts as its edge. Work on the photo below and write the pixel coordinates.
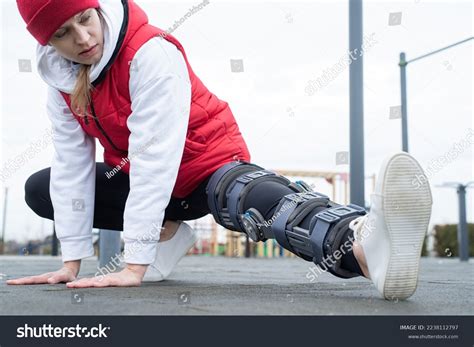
(67, 273)
(131, 276)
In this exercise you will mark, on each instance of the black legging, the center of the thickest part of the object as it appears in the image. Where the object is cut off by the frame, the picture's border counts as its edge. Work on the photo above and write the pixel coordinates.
(111, 195)
(110, 198)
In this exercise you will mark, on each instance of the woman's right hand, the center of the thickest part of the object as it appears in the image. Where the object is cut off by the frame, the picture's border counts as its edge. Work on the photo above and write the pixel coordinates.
(67, 273)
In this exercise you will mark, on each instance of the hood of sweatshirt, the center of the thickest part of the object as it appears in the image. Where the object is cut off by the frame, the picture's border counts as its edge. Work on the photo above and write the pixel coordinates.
(61, 73)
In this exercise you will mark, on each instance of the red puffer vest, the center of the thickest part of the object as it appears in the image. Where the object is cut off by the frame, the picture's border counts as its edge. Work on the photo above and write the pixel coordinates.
(213, 137)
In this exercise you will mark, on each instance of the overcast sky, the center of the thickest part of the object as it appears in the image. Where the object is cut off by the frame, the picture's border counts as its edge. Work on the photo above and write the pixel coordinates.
(283, 47)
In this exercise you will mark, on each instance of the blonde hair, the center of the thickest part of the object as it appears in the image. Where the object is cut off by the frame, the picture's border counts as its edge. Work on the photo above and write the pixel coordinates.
(81, 95)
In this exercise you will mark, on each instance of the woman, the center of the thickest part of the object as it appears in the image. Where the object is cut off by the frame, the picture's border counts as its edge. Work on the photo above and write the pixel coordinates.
(174, 152)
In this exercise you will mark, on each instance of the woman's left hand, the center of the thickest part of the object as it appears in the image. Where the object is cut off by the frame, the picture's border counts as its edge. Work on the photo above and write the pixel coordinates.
(131, 276)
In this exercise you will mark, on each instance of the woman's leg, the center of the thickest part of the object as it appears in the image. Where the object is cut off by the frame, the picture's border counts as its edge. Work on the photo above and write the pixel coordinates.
(110, 198)
(169, 229)
(192, 207)
(387, 241)
(168, 254)
(111, 195)
(247, 198)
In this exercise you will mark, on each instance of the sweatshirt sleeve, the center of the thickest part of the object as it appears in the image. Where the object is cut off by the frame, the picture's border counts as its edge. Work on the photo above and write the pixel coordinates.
(160, 92)
(72, 183)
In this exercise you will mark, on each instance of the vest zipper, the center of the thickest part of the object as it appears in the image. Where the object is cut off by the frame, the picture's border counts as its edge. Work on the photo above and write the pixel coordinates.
(101, 129)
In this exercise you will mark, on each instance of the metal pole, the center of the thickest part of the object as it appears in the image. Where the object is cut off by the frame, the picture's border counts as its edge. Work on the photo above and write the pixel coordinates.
(440, 50)
(54, 243)
(5, 200)
(403, 94)
(463, 237)
(247, 246)
(403, 85)
(356, 101)
(109, 247)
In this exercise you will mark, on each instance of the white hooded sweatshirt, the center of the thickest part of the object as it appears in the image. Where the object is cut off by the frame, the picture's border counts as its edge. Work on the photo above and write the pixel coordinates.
(159, 92)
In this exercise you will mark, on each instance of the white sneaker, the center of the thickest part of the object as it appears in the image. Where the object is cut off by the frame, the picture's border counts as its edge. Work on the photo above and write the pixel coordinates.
(169, 253)
(392, 234)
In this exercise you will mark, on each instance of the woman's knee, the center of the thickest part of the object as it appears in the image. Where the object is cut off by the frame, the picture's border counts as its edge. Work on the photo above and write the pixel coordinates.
(37, 194)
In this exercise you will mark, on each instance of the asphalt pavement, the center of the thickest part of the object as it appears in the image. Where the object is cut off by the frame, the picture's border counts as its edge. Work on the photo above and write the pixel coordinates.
(204, 285)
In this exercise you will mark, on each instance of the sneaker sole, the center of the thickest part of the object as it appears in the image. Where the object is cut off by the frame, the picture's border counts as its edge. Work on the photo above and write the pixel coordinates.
(407, 211)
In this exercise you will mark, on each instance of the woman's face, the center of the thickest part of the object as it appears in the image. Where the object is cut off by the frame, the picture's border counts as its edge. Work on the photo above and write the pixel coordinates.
(80, 33)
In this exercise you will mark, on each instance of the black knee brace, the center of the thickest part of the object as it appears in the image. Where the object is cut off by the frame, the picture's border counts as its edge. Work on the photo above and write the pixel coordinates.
(227, 190)
(304, 222)
(323, 240)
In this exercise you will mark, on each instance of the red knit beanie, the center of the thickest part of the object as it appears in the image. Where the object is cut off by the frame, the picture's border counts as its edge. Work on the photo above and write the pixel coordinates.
(44, 17)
